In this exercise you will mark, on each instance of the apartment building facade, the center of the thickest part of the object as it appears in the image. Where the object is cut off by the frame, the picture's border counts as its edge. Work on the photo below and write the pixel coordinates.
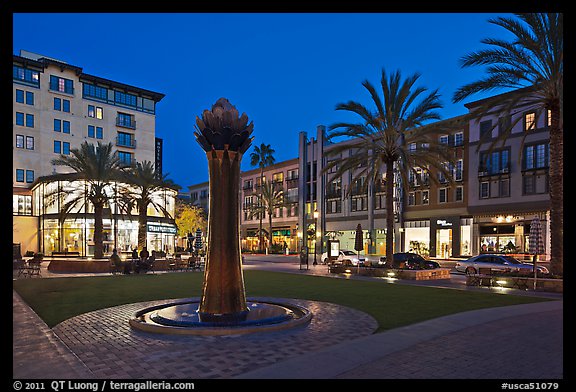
(508, 184)
(56, 107)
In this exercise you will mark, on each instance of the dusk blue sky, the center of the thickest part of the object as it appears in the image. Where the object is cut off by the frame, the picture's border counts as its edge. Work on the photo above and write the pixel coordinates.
(286, 71)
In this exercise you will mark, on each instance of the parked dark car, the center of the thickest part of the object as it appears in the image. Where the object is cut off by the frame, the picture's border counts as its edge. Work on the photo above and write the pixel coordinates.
(407, 260)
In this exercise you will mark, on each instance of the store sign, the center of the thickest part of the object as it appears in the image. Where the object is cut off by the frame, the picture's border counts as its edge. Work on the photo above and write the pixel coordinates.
(154, 228)
(442, 222)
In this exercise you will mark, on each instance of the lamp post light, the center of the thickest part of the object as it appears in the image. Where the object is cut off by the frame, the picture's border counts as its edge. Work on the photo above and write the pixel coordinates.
(317, 234)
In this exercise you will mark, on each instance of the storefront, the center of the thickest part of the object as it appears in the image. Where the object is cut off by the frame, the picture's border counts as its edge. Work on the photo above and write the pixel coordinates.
(438, 237)
(75, 233)
(507, 233)
(417, 237)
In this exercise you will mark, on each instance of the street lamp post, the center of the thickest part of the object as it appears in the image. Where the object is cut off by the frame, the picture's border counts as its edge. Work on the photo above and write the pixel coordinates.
(315, 234)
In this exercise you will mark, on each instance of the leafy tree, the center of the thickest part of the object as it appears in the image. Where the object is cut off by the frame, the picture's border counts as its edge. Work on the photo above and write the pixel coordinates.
(532, 62)
(189, 218)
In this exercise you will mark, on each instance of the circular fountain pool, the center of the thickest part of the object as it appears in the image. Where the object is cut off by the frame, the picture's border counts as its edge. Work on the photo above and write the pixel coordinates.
(182, 317)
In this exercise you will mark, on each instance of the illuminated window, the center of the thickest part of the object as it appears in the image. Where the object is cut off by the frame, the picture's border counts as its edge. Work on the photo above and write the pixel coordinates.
(530, 121)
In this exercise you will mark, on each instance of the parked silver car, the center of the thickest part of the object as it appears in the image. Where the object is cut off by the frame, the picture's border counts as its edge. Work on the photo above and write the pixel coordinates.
(502, 263)
(345, 257)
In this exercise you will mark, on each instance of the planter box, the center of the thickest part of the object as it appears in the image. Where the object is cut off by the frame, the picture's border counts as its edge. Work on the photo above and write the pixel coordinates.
(82, 265)
(542, 284)
(432, 274)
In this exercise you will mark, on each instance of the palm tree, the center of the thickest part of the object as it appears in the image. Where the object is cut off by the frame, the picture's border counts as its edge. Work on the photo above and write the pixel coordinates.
(394, 134)
(262, 156)
(99, 167)
(144, 188)
(267, 201)
(531, 63)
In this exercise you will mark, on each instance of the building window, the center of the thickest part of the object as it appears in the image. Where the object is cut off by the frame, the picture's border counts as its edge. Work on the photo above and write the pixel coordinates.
(57, 125)
(124, 98)
(496, 162)
(66, 126)
(61, 85)
(530, 121)
(20, 96)
(26, 97)
(442, 195)
(57, 147)
(19, 175)
(22, 205)
(26, 75)
(529, 185)
(66, 105)
(95, 132)
(484, 190)
(125, 120)
(333, 206)
(411, 198)
(444, 139)
(30, 120)
(504, 124)
(29, 176)
(504, 187)
(29, 142)
(425, 197)
(278, 177)
(57, 104)
(536, 156)
(125, 140)
(549, 117)
(458, 170)
(19, 118)
(459, 139)
(125, 157)
(459, 194)
(99, 113)
(485, 127)
(92, 91)
(19, 141)
(292, 174)
(29, 98)
(66, 148)
(99, 133)
(91, 131)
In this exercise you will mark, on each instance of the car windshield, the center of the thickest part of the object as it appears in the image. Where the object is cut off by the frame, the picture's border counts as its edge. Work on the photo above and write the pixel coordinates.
(349, 253)
(511, 260)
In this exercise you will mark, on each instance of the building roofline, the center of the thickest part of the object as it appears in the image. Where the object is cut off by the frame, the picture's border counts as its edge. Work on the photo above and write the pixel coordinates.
(44, 62)
(479, 102)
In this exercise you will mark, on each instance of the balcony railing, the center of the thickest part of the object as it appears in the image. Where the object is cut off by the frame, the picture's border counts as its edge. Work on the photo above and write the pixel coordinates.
(126, 123)
(124, 142)
(333, 193)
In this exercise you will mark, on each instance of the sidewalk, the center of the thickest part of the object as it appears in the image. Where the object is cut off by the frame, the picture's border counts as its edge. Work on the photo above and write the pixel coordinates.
(517, 342)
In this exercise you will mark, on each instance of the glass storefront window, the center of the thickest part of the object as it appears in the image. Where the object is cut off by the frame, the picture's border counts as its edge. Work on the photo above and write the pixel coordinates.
(465, 240)
(417, 240)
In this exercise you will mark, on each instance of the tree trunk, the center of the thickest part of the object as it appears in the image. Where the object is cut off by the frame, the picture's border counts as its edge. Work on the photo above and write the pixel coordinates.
(556, 192)
(142, 227)
(389, 213)
(270, 233)
(98, 228)
(223, 294)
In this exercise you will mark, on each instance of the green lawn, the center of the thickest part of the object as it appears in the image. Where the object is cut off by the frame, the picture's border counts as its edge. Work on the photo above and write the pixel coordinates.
(392, 305)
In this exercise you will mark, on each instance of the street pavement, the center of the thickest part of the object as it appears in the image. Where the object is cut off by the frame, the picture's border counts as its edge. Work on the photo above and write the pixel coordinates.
(522, 342)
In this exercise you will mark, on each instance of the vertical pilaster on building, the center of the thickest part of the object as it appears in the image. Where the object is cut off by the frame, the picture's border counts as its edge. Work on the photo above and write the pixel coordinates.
(320, 187)
(302, 163)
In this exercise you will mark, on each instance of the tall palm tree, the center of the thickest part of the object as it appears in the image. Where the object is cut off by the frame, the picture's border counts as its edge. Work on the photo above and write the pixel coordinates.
(533, 64)
(386, 138)
(262, 156)
(267, 201)
(143, 188)
(99, 167)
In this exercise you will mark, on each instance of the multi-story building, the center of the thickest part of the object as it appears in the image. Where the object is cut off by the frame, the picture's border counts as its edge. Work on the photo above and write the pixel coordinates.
(508, 184)
(284, 176)
(56, 107)
(431, 217)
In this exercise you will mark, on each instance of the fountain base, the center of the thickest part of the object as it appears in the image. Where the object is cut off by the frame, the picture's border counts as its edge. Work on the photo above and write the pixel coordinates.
(184, 318)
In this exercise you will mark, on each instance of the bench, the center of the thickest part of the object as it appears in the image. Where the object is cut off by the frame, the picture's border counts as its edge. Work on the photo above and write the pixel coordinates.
(30, 268)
